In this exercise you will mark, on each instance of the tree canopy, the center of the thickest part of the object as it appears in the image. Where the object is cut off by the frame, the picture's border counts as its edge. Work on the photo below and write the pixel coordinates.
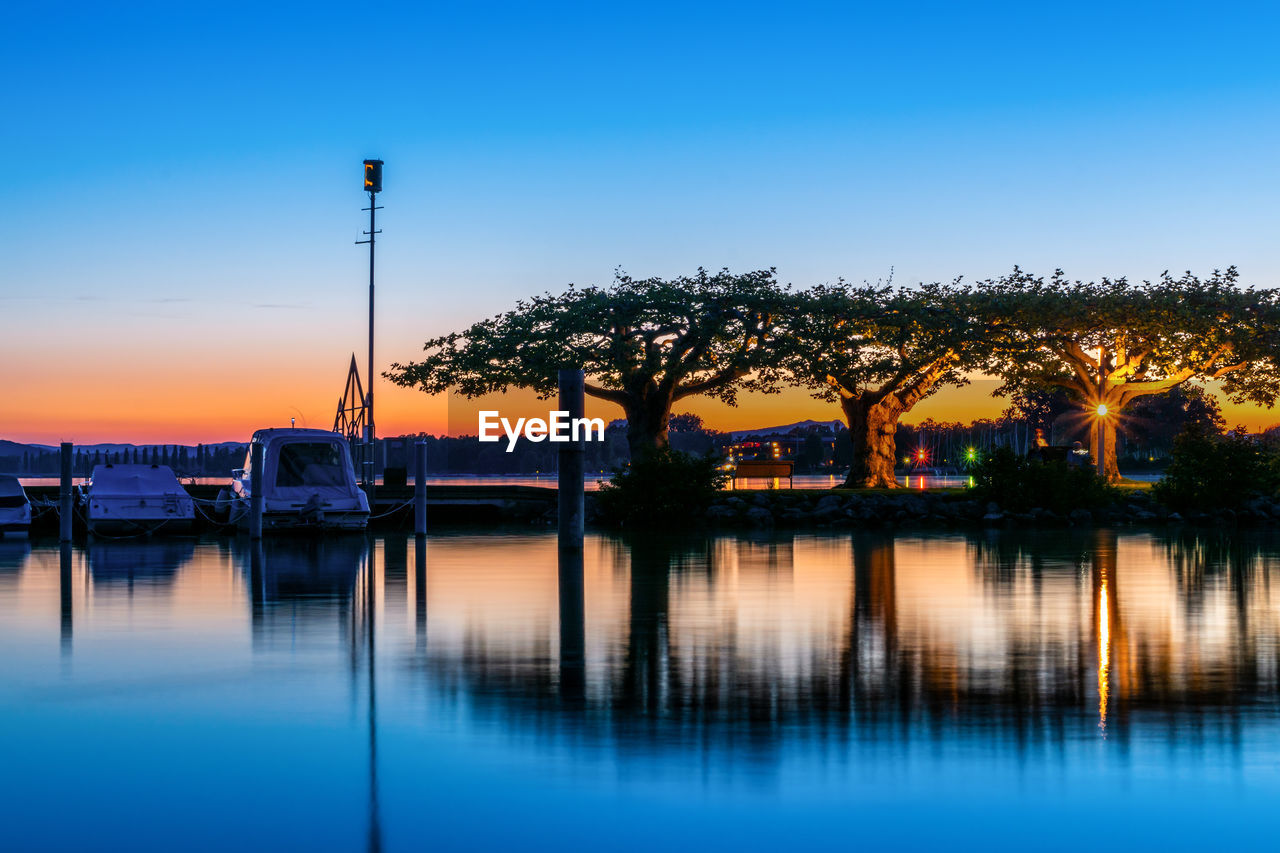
(878, 351)
(643, 344)
(1111, 342)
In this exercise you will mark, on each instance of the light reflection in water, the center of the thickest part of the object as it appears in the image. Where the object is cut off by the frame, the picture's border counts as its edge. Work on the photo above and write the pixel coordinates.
(698, 661)
(1104, 654)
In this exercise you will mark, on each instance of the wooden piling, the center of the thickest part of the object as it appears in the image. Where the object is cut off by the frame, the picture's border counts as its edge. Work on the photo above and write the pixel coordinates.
(65, 509)
(572, 631)
(255, 491)
(65, 593)
(570, 483)
(420, 489)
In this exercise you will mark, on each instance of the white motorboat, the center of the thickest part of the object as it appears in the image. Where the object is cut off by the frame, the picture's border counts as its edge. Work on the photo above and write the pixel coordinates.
(15, 509)
(308, 482)
(125, 499)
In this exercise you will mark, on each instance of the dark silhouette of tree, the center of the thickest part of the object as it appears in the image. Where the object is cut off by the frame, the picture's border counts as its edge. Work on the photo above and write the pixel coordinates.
(1153, 422)
(1038, 407)
(685, 423)
(644, 344)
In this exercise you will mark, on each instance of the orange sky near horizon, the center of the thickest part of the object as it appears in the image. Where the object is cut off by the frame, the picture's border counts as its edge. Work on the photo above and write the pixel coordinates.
(130, 396)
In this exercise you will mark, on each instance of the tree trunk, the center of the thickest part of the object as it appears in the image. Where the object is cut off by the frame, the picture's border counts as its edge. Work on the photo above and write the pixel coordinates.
(1110, 465)
(873, 429)
(647, 425)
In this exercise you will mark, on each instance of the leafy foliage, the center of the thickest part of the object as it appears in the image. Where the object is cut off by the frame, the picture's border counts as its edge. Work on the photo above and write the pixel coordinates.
(1038, 406)
(1210, 471)
(643, 344)
(663, 489)
(1132, 340)
(686, 423)
(1113, 342)
(1156, 421)
(880, 341)
(879, 351)
(1019, 484)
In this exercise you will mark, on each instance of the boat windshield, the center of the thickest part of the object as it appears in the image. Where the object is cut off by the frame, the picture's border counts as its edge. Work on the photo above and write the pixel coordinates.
(311, 463)
(11, 494)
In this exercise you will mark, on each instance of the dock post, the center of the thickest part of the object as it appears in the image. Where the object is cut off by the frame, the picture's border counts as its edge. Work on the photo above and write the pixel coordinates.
(65, 509)
(573, 644)
(570, 483)
(255, 491)
(420, 488)
(65, 597)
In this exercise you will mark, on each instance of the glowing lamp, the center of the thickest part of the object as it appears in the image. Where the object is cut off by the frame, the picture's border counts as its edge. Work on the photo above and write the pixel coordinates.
(1102, 410)
(373, 176)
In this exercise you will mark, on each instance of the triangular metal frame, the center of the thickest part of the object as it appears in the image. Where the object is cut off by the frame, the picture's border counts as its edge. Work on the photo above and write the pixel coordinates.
(350, 419)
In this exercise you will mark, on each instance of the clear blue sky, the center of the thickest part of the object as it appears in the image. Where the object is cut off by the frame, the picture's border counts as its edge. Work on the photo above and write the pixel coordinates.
(189, 176)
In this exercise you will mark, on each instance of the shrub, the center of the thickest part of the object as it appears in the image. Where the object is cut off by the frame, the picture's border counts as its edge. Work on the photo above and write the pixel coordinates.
(665, 488)
(1209, 471)
(1019, 484)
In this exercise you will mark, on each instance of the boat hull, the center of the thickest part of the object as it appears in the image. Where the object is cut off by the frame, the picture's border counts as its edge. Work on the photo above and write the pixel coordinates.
(140, 526)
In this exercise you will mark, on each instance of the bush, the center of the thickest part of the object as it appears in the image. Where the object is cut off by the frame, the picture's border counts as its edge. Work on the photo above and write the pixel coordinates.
(1019, 484)
(665, 488)
(1209, 471)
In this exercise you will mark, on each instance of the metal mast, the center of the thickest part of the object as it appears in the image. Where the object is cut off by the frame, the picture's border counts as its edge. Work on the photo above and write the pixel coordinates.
(373, 186)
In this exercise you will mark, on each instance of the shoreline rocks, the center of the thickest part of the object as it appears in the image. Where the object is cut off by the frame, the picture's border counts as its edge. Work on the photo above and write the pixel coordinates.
(823, 509)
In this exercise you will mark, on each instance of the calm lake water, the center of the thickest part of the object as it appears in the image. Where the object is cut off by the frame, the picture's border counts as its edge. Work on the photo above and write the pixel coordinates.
(1062, 691)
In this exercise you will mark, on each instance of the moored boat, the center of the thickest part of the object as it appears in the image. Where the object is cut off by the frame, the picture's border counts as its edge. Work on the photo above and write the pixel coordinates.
(15, 509)
(308, 483)
(130, 499)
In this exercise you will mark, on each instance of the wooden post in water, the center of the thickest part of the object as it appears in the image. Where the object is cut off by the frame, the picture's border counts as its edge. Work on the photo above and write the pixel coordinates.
(573, 642)
(420, 489)
(255, 491)
(64, 497)
(570, 483)
(65, 595)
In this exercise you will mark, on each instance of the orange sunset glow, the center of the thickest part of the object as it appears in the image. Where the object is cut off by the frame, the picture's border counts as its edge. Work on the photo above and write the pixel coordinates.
(131, 396)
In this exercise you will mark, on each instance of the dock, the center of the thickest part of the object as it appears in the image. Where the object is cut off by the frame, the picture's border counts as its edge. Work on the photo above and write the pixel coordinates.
(446, 504)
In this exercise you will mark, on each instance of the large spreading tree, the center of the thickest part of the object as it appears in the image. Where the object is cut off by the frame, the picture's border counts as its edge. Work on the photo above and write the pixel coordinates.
(643, 344)
(1111, 342)
(878, 351)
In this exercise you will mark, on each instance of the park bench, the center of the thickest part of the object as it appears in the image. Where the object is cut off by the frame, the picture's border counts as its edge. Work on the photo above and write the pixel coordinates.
(769, 469)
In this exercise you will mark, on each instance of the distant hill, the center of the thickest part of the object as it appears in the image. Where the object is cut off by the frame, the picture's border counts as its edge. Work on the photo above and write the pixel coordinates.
(12, 448)
(802, 426)
(42, 459)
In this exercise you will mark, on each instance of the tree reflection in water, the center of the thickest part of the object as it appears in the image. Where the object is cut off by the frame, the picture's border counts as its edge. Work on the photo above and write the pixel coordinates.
(1029, 639)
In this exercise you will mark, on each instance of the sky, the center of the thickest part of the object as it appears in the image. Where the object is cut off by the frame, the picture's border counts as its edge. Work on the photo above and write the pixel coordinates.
(178, 223)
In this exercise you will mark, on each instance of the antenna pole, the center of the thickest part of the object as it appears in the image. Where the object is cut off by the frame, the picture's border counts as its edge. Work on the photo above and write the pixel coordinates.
(370, 468)
(372, 185)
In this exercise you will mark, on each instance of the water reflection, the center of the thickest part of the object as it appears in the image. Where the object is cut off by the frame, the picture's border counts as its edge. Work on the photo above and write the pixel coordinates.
(1020, 640)
(705, 659)
(301, 587)
(145, 562)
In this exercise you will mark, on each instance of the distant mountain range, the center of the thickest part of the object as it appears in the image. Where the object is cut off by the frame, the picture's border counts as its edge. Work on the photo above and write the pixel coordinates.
(13, 449)
(10, 449)
(785, 429)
